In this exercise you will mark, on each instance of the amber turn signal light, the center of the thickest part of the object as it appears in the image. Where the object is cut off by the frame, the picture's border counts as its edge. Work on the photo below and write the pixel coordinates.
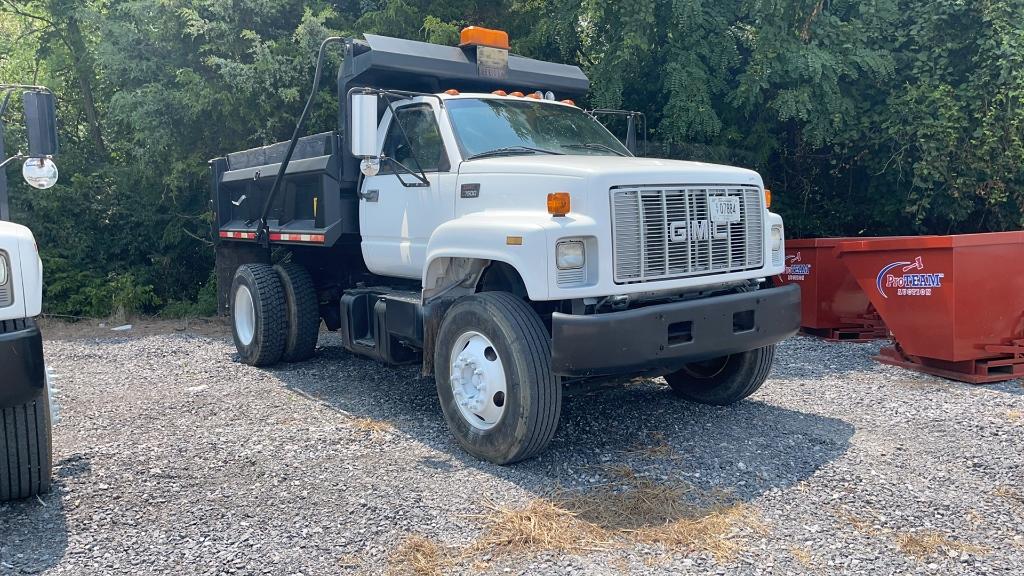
(558, 203)
(767, 198)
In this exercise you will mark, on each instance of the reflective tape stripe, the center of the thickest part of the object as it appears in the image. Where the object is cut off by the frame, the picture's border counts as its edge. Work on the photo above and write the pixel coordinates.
(275, 237)
(318, 238)
(239, 235)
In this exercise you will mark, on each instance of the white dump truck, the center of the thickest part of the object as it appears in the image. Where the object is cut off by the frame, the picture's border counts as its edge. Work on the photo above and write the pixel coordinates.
(467, 215)
(25, 401)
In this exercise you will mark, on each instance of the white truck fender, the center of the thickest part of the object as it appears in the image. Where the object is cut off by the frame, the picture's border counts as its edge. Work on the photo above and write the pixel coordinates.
(31, 275)
(515, 238)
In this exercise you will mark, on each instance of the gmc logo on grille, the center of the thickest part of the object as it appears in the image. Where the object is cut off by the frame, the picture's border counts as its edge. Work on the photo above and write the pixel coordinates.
(695, 230)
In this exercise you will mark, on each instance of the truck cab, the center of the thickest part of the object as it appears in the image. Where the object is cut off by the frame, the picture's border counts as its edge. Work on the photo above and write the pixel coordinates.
(501, 236)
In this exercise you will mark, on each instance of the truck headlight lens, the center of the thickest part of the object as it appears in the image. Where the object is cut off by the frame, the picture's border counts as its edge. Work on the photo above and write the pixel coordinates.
(776, 238)
(570, 255)
(3, 269)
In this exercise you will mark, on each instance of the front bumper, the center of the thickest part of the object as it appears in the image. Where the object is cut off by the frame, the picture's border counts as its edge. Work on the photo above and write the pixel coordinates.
(22, 373)
(664, 337)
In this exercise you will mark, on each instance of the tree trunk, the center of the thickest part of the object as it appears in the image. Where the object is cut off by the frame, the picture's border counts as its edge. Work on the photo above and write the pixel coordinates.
(85, 70)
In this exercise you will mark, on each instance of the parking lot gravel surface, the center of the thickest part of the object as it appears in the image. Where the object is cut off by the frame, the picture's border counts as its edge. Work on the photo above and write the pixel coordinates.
(173, 458)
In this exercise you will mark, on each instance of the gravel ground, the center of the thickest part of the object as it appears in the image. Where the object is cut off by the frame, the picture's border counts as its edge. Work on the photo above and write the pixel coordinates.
(173, 458)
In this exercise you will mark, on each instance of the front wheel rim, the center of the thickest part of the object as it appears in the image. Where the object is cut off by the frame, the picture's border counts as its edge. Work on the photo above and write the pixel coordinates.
(244, 312)
(478, 380)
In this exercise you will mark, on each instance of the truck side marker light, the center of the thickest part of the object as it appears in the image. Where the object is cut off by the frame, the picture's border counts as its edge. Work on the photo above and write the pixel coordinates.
(558, 203)
(514, 240)
(767, 198)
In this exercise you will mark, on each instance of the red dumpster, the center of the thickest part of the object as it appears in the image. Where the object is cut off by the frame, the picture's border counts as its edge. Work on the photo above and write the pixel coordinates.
(833, 305)
(955, 304)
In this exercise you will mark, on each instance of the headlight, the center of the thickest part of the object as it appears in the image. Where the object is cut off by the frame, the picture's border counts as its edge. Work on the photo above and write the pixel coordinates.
(3, 269)
(569, 254)
(776, 238)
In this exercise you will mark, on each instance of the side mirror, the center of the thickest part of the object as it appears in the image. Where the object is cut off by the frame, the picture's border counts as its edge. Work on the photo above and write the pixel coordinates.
(363, 136)
(41, 122)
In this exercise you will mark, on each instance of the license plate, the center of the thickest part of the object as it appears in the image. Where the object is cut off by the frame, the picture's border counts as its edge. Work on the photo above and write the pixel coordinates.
(724, 209)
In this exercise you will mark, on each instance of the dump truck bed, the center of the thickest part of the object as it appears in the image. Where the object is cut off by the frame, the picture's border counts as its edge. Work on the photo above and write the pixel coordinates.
(313, 206)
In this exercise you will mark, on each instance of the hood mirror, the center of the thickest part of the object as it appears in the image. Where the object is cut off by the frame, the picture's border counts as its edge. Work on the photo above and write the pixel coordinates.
(40, 173)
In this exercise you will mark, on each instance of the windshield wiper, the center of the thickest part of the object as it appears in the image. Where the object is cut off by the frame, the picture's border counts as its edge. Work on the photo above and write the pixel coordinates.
(594, 146)
(509, 150)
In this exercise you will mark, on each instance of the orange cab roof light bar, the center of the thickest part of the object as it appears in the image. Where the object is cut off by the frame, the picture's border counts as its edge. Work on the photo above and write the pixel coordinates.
(477, 36)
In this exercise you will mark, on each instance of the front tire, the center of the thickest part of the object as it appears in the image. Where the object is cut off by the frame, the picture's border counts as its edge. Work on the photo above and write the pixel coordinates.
(492, 366)
(258, 314)
(26, 449)
(725, 380)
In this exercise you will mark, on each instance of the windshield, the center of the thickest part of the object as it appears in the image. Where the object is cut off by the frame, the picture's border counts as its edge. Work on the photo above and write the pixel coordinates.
(489, 125)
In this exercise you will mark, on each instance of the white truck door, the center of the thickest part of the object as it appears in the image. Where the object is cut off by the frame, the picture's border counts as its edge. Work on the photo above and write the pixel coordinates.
(396, 221)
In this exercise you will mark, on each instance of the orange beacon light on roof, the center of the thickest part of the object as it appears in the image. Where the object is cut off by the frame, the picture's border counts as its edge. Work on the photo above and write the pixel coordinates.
(477, 36)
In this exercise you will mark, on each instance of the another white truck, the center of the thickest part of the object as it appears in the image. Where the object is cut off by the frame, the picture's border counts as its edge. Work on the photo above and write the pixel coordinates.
(25, 400)
(468, 216)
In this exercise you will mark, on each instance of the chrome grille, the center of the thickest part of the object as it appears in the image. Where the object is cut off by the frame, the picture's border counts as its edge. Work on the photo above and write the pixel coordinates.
(643, 216)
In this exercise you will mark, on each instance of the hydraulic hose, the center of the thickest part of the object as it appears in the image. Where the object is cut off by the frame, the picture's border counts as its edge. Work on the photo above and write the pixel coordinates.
(262, 235)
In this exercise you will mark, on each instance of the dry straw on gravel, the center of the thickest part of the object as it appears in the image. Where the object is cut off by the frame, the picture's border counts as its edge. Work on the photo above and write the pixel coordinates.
(419, 556)
(924, 544)
(371, 426)
(625, 511)
(1014, 495)
(801, 555)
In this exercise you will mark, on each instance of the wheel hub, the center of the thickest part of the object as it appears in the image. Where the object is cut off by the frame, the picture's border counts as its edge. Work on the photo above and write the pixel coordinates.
(478, 380)
(244, 312)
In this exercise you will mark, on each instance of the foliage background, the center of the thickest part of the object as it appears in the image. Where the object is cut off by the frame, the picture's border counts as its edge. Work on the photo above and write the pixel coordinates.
(865, 116)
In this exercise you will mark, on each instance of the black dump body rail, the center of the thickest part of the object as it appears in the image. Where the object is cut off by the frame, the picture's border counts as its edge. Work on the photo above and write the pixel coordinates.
(312, 207)
(317, 204)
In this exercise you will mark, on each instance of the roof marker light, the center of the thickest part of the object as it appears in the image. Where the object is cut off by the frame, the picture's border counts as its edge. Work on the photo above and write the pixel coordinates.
(549, 95)
(451, 92)
(500, 93)
(569, 102)
(517, 94)
(477, 36)
(535, 95)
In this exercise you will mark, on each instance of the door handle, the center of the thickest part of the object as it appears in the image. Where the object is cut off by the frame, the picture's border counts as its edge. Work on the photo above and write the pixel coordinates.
(370, 195)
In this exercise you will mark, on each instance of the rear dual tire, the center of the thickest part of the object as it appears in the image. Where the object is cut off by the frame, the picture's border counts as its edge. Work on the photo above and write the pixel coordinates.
(274, 314)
